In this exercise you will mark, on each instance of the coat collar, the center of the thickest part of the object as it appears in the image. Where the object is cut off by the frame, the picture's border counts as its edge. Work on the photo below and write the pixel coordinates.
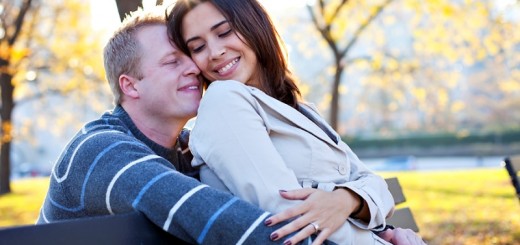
(313, 124)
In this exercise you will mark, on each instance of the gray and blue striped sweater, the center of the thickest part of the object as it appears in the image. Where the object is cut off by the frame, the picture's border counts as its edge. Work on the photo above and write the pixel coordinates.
(110, 167)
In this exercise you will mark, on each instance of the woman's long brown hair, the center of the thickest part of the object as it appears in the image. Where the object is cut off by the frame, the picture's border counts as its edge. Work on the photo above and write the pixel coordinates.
(251, 20)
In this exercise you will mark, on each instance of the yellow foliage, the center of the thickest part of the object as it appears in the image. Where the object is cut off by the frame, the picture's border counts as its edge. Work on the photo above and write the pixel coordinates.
(481, 54)
(420, 94)
(377, 61)
(5, 50)
(304, 89)
(458, 106)
(7, 130)
(443, 97)
(448, 10)
(398, 95)
(510, 86)
(392, 64)
(19, 53)
(343, 89)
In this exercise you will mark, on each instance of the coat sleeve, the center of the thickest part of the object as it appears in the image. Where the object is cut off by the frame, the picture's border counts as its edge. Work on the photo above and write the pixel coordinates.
(373, 189)
(231, 136)
(369, 186)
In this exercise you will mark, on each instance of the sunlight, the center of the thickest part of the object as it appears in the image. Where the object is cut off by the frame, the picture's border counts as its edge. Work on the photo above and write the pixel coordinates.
(105, 17)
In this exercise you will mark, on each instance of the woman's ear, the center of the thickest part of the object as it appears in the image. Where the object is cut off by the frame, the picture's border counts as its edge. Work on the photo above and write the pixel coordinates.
(127, 85)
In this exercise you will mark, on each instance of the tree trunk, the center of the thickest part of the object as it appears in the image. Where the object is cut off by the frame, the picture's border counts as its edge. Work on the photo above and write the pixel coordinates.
(124, 7)
(6, 92)
(6, 112)
(334, 104)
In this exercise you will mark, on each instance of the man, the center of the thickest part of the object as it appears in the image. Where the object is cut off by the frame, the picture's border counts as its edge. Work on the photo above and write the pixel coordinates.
(127, 159)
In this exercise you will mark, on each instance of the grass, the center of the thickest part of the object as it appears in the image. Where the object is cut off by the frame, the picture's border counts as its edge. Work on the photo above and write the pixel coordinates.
(463, 206)
(21, 206)
(450, 207)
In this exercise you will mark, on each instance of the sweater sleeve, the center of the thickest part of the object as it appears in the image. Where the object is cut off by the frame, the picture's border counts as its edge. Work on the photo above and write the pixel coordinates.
(110, 172)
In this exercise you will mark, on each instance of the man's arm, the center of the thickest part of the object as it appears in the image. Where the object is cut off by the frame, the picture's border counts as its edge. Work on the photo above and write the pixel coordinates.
(111, 172)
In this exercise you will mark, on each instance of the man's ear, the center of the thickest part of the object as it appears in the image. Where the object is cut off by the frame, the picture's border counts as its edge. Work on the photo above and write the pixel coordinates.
(127, 85)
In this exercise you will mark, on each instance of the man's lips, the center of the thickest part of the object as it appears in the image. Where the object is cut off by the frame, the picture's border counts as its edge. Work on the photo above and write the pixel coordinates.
(191, 86)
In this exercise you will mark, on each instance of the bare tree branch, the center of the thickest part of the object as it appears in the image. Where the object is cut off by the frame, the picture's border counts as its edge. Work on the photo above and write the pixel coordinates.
(324, 31)
(363, 26)
(19, 21)
(338, 8)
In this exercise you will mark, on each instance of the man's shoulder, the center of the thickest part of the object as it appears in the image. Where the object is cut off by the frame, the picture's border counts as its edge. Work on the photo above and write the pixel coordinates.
(108, 127)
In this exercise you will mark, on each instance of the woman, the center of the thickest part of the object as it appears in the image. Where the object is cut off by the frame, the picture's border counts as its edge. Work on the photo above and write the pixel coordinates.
(254, 136)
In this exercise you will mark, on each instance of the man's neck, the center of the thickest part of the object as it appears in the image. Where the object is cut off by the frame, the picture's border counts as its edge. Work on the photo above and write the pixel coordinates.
(162, 131)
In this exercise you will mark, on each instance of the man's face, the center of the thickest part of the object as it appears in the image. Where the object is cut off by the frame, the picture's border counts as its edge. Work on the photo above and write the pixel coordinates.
(170, 87)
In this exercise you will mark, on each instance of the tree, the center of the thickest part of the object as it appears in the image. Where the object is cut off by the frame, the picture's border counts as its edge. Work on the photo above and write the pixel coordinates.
(324, 16)
(12, 19)
(124, 7)
(419, 65)
(55, 61)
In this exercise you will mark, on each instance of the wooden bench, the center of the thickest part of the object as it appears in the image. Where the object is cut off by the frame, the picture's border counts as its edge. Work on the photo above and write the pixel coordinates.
(135, 228)
(403, 216)
(512, 165)
(131, 228)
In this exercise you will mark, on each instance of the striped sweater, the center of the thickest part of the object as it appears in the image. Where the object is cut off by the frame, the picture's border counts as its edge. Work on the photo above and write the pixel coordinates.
(110, 167)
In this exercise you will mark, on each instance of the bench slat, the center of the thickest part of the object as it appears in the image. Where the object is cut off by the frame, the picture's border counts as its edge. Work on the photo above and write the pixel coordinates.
(403, 218)
(395, 188)
(131, 228)
(512, 165)
(515, 162)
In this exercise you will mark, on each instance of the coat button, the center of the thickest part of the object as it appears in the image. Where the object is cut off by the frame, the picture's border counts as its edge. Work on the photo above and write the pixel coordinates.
(342, 170)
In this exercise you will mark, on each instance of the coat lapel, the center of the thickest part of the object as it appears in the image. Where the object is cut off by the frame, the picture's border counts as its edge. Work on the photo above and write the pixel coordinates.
(296, 117)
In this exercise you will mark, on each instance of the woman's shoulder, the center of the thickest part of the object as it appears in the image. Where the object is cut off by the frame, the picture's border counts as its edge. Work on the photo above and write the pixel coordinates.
(227, 85)
(227, 89)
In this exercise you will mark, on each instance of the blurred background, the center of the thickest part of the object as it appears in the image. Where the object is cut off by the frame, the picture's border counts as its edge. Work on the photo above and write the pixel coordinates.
(428, 91)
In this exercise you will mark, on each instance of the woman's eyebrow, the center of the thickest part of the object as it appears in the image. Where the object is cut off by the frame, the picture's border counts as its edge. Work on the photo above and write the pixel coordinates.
(211, 29)
(218, 24)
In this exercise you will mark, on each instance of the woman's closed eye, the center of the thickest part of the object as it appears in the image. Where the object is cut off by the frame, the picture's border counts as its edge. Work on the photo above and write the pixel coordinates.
(225, 33)
(197, 49)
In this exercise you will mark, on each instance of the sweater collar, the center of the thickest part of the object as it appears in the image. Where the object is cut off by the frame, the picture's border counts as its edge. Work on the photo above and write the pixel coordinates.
(160, 150)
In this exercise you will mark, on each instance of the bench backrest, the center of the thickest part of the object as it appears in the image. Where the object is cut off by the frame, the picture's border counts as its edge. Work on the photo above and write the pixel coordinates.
(403, 216)
(135, 228)
(512, 165)
(131, 228)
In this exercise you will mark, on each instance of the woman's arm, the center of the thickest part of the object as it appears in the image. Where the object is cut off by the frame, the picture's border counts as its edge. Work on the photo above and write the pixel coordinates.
(374, 201)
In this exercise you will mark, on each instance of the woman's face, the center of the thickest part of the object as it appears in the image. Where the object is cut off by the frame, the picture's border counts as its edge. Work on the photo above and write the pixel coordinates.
(216, 49)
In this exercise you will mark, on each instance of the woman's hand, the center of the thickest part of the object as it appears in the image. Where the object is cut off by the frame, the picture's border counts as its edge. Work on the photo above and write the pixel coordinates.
(326, 210)
(399, 236)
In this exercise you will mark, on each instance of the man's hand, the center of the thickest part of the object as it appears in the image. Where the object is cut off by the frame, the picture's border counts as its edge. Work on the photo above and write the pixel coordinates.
(399, 236)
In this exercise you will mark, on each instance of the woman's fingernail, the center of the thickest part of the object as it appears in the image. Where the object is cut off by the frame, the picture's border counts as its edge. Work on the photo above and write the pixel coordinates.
(287, 242)
(268, 222)
(274, 236)
(282, 191)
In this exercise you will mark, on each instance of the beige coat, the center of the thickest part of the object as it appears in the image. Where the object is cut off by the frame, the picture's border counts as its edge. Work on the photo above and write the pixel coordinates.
(255, 145)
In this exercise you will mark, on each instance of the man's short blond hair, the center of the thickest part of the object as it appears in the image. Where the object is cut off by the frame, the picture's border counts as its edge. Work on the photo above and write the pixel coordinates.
(122, 54)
